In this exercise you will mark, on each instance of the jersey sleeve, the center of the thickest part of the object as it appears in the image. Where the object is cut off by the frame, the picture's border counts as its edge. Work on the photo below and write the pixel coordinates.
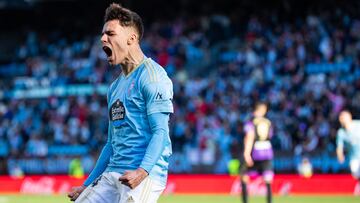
(249, 126)
(159, 139)
(102, 161)
(158, 96)
(271, 132)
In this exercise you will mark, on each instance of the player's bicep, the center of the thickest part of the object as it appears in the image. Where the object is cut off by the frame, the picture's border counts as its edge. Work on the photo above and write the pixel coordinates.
(249, 131)
(248, 142)
(249, 136)
(158, 97)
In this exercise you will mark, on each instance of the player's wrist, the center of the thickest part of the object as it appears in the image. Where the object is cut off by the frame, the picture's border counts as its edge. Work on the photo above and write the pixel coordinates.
(143, 171)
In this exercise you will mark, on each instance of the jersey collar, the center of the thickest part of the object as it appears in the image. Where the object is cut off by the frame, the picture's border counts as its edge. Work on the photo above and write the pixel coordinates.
(140, 64)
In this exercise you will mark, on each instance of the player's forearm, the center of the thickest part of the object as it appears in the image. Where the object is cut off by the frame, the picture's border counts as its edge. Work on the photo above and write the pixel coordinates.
(340, 154)
(153, 151)
(249, 140)
(160, 130)
(247, 151)
(101, 164)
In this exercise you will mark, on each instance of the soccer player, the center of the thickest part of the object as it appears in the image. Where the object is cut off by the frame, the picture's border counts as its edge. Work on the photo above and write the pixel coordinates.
(133, 164)
(258, 152)
(348, 136)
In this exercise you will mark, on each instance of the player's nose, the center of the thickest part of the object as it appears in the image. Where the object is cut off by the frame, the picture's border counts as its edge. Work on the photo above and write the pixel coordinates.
(104, 38)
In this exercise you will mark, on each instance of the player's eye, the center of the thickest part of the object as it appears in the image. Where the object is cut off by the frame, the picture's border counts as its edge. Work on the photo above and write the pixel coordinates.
(110, 33)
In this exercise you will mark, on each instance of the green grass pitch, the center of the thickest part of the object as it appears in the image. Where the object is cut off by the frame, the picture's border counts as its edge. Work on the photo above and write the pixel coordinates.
(191, 199)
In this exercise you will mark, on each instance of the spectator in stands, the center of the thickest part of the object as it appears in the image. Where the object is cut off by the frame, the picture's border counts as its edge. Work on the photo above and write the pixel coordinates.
(307, 70)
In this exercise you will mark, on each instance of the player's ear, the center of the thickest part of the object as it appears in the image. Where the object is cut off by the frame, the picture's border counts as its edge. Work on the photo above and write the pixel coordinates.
(132, 39)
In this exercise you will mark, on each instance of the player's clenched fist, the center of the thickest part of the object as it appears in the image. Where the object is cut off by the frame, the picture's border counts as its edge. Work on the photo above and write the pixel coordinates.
(133, 178)
(75, 192)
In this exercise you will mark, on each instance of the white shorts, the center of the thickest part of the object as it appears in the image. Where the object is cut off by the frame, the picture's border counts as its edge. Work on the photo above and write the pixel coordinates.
(108, 189)
(355, 168)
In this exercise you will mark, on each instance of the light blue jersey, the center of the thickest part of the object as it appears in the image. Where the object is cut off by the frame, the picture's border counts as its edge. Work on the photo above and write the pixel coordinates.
(350, 140)
(131, 99)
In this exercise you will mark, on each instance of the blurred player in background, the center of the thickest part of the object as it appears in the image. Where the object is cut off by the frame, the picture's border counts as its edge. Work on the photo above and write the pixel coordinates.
(305, 168)
(258, 153)
(133, 164)
(348, 137)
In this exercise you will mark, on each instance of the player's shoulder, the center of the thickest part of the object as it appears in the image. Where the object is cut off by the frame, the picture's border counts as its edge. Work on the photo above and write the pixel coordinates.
(340, 132)
(115, 82)
(357, 123)
(112, 87)
(249, 125)
(152, 72)
(267, 120)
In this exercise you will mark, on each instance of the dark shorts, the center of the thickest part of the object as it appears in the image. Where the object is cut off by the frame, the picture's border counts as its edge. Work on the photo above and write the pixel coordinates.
(259, 168)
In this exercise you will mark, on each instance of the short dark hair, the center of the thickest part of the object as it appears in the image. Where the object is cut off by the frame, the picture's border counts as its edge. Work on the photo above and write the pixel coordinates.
(258, 104)
(126, 17)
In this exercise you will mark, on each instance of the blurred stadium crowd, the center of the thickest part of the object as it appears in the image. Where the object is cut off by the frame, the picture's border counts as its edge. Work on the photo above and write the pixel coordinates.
(307, 70)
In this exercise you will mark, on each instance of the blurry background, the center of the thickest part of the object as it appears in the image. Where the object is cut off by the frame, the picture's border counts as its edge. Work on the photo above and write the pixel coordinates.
(302, 57)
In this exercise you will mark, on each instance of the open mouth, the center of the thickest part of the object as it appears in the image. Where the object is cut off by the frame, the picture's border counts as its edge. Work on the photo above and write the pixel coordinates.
(107, 51)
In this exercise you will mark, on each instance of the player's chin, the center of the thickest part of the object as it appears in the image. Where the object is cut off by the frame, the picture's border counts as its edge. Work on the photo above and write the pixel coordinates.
(111, 61)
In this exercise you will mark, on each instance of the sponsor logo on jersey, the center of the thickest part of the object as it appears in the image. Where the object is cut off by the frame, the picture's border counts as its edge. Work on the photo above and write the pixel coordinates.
(117, 112)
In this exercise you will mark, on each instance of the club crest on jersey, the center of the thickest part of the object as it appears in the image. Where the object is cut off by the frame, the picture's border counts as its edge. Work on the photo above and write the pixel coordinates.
(117, 112)
(131, 87)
